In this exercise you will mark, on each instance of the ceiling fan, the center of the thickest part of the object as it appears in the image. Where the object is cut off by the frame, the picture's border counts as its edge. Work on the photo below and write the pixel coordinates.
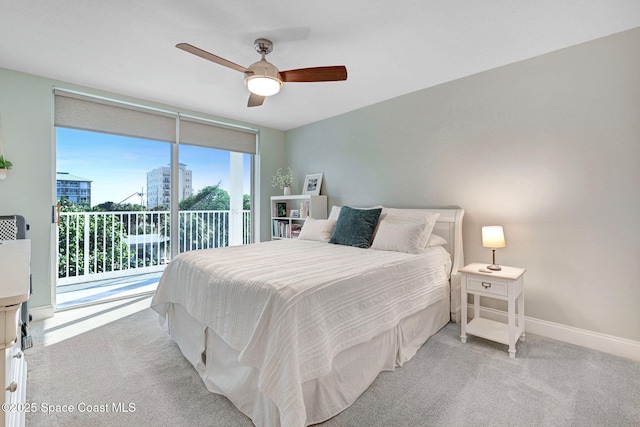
(263, 78)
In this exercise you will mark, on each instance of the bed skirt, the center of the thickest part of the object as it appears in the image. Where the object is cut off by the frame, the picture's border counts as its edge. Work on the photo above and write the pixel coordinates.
(353, 370)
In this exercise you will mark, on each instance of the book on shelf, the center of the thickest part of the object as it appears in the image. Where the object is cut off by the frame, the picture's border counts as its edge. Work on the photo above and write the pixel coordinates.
(285, 230)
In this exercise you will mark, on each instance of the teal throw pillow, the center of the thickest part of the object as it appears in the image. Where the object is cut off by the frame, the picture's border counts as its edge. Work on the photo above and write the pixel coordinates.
(355, 227)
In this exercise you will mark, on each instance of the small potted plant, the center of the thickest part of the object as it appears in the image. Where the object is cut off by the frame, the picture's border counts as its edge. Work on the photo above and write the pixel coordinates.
(4, 166)
(283, 180)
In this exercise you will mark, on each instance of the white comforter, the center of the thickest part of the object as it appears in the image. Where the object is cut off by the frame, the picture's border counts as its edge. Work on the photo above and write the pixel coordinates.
(290, 306)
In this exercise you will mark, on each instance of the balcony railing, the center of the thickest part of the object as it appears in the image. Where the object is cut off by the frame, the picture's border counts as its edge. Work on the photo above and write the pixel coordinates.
(100, 245)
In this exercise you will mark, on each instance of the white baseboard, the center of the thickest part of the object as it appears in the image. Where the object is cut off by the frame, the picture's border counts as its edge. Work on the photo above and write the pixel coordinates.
(606, 343)
(41, 313)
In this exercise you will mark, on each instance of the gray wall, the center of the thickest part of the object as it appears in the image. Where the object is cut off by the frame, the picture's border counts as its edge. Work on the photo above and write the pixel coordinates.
(26, 111)
(548, 147)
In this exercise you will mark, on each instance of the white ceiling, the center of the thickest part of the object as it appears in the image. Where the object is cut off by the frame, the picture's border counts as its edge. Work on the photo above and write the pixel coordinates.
(390, 47)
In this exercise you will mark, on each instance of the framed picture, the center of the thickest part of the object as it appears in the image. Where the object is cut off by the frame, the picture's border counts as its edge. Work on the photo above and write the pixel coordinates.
(312, 184)
(295, 213)
(281, 209)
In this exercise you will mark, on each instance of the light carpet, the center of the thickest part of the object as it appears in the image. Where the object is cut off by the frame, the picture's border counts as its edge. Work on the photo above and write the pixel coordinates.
(115, 365)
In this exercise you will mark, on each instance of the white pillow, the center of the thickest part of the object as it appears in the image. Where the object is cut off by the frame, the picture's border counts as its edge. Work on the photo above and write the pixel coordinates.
(399, 236)
(435, 240)
(317, 229)
(413, 215)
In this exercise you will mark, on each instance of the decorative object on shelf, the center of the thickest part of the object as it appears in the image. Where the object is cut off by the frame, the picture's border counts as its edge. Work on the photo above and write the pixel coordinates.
(294, 213)
(304, 209)
(312, 184)
(283, 180)
(281, 209)
(493, 237)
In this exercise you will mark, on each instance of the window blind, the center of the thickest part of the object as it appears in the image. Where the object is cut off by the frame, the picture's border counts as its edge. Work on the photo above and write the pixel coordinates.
(84, 112)
(98, 115)
(206, 134)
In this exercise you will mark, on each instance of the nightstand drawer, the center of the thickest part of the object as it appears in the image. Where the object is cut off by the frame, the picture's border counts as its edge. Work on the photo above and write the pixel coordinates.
(492, 287)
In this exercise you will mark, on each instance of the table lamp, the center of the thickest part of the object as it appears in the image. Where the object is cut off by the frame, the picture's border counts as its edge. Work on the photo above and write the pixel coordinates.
(493, 237)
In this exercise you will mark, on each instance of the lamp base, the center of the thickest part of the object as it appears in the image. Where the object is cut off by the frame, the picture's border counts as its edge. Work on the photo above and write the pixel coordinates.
(494, 267)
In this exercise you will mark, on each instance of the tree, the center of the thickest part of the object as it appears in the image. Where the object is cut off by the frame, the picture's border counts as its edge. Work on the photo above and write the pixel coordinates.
(70, 251)
(211, 198)
(118, 207)
(202, 230)
(198, 230)
(107, 239)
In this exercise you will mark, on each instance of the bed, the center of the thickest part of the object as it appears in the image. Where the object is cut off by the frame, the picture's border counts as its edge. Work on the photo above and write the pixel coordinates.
(293, 331)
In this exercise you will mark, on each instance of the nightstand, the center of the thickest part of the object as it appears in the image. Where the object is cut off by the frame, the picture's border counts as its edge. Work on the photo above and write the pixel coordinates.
(507, 285)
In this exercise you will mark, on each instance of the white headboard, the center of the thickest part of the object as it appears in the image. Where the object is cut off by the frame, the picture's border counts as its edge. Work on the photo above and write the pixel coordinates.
(449, 226)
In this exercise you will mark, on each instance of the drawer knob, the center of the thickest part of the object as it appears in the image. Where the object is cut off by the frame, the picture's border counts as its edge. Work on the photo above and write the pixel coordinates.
(12, 387)
(486, 285)
(18, 355)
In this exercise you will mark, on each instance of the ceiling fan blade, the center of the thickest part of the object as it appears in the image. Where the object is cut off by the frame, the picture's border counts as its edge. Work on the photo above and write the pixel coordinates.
(255, 100)
(211, 57)
(315, 74)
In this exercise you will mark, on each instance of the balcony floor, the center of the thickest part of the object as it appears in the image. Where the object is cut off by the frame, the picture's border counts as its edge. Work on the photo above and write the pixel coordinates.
(82, 294)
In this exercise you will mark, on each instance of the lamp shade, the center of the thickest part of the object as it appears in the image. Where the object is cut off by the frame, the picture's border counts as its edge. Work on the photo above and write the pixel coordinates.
(493, 237)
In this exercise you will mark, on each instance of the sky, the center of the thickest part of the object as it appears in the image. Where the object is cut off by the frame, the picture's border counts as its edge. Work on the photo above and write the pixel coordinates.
(118, 165)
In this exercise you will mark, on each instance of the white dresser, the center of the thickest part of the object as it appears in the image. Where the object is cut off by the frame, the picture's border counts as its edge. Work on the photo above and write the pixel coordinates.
(15, 266)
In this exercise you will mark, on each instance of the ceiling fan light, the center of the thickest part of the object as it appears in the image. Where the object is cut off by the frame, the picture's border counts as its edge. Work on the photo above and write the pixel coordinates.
(263, 85)
(263, 78)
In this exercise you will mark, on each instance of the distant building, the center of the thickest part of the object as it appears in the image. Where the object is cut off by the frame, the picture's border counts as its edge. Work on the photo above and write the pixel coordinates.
(159, 185)
(74, 188)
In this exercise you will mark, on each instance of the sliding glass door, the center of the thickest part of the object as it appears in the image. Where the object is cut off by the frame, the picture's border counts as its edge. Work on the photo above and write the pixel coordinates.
(110, 243)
